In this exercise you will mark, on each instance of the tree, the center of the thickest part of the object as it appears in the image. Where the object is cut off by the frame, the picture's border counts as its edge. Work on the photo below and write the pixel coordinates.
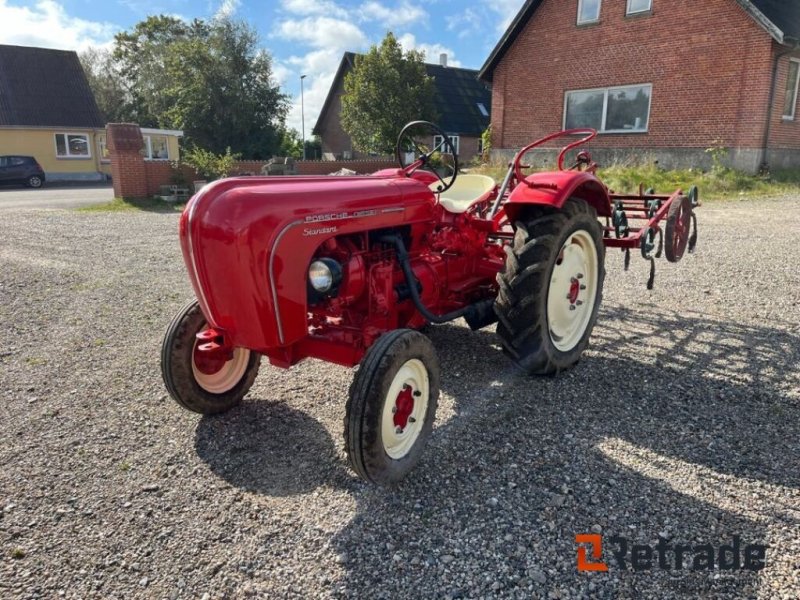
(291, 144)
(107, 84)
(386, 89)
(208, 78)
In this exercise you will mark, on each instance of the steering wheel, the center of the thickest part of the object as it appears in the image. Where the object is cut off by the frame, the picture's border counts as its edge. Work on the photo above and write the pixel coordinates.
(588, 134)
(407, 142)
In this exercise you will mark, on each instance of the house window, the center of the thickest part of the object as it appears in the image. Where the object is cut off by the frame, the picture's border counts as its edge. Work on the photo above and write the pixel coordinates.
(639, 6)
(482, 108)
(588, 11)
(72, 145)
(102, 148)
(791, 90)
(438, 140)
(155, 147)
(609, 110)
(480, 146)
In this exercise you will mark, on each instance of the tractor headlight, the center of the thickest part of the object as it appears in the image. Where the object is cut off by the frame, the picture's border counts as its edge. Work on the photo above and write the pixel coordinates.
(324, 278)
(320, 276)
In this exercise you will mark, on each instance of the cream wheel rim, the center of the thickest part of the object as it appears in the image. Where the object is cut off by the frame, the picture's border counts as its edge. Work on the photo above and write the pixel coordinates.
(226, 376)
(404, 409)
(573, 290)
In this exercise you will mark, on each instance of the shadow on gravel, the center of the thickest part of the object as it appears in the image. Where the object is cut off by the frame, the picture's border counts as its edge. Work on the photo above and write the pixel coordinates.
(269, 448)
(672, 425)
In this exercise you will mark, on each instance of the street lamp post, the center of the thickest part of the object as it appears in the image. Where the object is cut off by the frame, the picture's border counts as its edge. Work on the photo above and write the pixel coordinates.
(303, 116)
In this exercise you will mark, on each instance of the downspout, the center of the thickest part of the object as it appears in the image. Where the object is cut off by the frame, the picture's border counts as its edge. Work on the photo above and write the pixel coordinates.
(771, 103)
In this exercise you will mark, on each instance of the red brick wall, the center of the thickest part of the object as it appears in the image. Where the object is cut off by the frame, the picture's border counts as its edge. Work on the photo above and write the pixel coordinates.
(783, 133)
(709, 64)
(362, 167)
(158, 173)
(127, 165)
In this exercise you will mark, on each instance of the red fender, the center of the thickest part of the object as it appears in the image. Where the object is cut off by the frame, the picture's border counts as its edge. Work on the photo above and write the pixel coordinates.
(555, 188)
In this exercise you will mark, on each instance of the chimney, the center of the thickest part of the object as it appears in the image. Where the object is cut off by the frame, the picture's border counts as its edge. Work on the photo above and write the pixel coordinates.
(443, 59)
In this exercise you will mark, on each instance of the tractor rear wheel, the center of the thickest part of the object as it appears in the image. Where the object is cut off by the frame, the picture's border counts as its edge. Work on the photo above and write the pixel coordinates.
(392, 405)
(551, 288)
(197, 383)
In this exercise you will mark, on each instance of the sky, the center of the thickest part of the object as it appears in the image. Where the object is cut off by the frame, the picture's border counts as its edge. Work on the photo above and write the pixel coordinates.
(304, 37)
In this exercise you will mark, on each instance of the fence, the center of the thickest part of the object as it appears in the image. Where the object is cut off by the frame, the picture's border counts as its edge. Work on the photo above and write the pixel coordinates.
(135, 177)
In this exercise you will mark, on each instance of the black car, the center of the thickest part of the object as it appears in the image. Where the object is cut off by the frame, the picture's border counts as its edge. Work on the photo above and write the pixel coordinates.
(21, 169)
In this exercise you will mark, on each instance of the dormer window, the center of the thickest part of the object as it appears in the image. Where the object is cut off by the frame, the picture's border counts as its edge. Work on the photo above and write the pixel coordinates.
(588, 11)
(639, 6)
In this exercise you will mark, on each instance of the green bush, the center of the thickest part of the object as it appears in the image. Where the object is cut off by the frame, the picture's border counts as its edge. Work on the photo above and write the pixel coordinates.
(208, 165)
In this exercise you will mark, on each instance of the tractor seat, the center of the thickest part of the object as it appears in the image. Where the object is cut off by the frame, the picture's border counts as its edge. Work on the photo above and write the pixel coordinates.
(466, 191)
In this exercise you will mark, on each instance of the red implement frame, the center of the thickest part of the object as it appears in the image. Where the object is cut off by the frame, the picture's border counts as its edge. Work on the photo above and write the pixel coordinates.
(637, 208)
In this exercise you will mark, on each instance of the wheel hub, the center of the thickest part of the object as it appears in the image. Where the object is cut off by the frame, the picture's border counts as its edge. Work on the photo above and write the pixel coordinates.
(573, 288)
(403, 406)
(208, 362)
(210, 352)
(217, 367)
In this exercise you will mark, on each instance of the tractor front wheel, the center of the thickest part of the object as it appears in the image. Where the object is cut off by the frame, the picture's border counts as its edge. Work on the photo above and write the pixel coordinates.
(198, 383)
(389, 415)
(551, 288)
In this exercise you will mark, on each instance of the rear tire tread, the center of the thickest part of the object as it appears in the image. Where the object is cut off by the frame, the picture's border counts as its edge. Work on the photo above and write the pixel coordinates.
(521, 305)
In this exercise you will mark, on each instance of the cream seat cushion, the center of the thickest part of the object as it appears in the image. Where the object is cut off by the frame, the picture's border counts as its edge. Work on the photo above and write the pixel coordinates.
(466, 190)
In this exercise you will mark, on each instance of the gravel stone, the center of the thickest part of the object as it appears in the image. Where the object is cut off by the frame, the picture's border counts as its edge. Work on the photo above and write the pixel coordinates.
(681, 419)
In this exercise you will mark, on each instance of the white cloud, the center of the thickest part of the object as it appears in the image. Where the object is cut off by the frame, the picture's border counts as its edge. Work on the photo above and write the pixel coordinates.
(401, 15)
(319, 66)
(506, 10)
(329, 39)
(432, 51)
(46, 24)
(227, 9)
(314, 7)
(323, 32)
(465, 24)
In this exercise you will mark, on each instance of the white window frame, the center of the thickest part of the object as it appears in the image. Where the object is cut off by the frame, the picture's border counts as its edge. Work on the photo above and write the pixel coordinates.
(149, 145)
(606, 91)
(102, 144)
(69, 155)
(589, 21)
(453, 138)
(796, 86)
(649, 8)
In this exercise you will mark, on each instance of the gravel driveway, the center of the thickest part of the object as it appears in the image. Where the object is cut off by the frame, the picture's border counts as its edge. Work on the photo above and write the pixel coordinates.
(681, 421)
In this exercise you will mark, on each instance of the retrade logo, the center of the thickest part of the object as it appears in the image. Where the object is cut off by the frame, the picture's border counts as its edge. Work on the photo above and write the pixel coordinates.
(596, 542)
(735, 556)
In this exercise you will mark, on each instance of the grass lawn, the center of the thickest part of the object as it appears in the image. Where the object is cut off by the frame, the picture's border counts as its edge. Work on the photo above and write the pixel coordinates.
(120, 205)
(716, 184)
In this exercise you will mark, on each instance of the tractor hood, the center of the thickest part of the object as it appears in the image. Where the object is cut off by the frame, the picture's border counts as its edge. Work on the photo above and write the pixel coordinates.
(247, 243)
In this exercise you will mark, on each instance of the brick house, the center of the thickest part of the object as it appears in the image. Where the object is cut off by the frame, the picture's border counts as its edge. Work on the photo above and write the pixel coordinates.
(462, 101)
(664, 79)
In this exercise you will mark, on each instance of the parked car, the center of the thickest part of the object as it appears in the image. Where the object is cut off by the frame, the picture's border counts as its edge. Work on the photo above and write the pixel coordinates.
(23, 170)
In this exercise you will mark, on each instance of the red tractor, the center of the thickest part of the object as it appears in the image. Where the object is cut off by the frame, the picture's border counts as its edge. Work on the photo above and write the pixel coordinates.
(349, 269)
